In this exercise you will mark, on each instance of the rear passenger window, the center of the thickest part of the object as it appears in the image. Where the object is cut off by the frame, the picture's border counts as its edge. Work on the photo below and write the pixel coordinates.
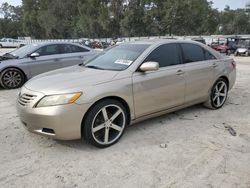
(68, 48)
(192, 53)
(165, 55)
(208, 55)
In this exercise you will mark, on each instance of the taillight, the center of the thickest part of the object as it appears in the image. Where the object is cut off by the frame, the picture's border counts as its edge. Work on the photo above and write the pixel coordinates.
(234, 64)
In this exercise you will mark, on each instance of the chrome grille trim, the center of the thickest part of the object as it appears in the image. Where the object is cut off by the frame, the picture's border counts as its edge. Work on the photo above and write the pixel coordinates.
(25, 99)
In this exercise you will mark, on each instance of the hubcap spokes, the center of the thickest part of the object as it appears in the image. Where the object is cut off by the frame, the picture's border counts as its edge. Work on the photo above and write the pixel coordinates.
(12, 78)
(108, 124)
(220, 94)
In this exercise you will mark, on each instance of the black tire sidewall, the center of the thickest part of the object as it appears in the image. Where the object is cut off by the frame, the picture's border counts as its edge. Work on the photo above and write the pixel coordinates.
(87, 122)
(11, 69)
(212, 92)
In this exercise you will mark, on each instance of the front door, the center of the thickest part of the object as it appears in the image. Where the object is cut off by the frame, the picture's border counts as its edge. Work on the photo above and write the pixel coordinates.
(48, 60)
(162, 89)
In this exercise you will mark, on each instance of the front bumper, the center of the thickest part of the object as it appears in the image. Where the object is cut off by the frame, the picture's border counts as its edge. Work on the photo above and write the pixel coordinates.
(59, 122)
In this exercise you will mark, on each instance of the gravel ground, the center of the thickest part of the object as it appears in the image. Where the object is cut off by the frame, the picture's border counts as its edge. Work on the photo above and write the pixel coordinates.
(188, 148)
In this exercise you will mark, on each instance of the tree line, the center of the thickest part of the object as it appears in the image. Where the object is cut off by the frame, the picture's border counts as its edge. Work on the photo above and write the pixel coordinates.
(119, 18)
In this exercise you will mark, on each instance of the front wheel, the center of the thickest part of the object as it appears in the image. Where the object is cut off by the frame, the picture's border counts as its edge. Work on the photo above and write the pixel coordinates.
(105, 123)
(218, 94)
(12, 78)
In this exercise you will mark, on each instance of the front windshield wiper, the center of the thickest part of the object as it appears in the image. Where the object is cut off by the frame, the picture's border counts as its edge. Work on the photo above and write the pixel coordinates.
(94, 67)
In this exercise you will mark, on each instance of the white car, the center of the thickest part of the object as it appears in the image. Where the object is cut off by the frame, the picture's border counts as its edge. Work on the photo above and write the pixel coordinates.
(11, 43)
(242, 51)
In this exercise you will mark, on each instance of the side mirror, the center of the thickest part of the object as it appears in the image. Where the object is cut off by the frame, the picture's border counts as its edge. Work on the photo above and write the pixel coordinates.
(34, 55)
(149, 66)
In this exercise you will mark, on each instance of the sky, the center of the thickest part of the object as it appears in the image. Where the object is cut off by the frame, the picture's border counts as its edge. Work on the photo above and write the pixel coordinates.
(234, 4)
(220, 4)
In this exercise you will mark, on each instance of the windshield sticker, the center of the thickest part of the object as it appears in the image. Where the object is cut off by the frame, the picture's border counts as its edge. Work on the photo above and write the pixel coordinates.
(123, 62)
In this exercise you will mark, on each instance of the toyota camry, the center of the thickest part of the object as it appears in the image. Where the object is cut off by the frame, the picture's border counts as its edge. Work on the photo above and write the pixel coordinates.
(125, 84)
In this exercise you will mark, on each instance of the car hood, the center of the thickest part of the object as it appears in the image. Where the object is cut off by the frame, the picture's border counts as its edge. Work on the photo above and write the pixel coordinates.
(69, 79)
(8, 60)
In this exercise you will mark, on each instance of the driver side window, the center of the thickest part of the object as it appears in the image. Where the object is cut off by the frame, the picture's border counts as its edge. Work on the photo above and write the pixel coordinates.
(165, 55)
(48, 50)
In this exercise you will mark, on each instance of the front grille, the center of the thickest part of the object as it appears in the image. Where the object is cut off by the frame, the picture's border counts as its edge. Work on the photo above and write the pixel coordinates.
(25, 99)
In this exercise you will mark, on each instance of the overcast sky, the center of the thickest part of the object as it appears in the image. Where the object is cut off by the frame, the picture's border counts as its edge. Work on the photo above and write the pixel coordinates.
(220, 4)
(234, 4)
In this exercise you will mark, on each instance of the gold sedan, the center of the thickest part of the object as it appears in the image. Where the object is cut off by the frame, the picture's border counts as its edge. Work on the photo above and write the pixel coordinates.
(125, 84)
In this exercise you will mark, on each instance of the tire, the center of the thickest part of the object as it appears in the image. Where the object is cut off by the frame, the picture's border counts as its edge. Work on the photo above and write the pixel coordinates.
(1, 46)
(105, 123)
(236, 54)
(218, 95)
(12, 78)
(247, 54)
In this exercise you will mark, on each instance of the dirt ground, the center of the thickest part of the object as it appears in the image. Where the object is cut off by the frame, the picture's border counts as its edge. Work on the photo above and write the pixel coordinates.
(188, 148)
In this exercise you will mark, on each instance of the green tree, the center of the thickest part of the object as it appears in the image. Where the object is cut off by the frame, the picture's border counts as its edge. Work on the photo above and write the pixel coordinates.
(11, 22)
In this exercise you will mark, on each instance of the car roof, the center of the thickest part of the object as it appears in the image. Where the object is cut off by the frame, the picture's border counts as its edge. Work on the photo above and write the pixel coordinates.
(161, 41)
(41, 44)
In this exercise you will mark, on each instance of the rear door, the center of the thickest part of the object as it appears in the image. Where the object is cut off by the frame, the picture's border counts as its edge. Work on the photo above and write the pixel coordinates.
(74, 54)
(199, 68)
(159, 90)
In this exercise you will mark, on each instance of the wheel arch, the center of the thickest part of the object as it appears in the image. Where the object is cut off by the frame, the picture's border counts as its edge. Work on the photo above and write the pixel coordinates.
(121, 100)
(226, 79)
(13, 67)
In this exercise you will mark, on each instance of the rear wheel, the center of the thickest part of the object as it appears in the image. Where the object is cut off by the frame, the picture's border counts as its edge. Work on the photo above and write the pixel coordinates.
(247, 53)
(105, 123)
(1, 46)
(12, 78)
(218, 94)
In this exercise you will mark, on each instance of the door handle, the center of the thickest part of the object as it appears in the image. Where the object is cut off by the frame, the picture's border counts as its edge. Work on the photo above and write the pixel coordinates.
(215, 65)
(179, 72)
(81, 57)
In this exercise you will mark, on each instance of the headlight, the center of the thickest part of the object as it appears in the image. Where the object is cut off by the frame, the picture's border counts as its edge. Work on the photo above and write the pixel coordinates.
(53, 100)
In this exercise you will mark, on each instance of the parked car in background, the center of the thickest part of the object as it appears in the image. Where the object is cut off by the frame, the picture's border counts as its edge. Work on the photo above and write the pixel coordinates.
(219, 44)
(22, 64)
(232, 43)
(243, 47)
(11, 43)
(99, 45)
(125, 84)
(226, 45)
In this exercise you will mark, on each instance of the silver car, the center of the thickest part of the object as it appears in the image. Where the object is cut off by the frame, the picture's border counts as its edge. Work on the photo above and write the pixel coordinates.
(22, 64)
(123, 85)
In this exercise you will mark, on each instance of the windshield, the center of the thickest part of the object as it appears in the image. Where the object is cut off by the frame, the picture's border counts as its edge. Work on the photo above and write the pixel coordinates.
(24, 51)
(118, 57)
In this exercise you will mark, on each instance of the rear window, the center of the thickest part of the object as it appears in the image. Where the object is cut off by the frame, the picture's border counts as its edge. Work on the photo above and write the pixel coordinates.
(68, 48)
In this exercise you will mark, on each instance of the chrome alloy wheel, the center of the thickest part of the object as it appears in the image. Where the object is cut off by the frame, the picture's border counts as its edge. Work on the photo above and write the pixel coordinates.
(108, 124)
(219, 95)
(12, 79)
